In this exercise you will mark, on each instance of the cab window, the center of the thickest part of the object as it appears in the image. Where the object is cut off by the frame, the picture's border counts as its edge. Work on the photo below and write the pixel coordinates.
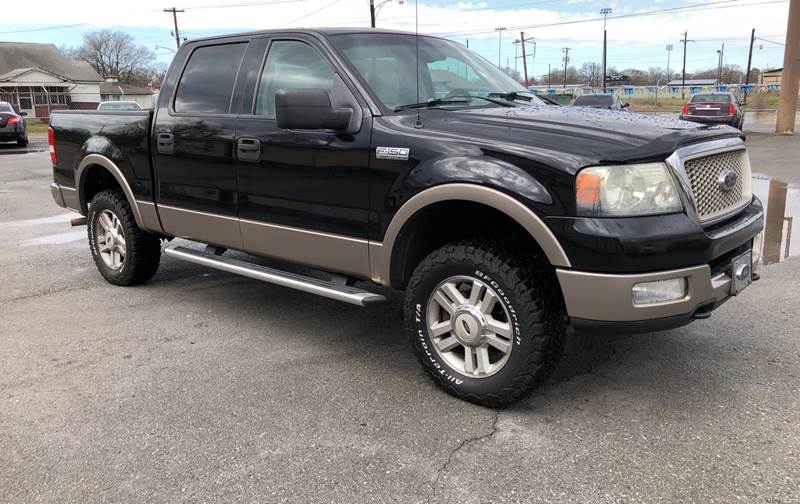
(206, 86)
(291, 65)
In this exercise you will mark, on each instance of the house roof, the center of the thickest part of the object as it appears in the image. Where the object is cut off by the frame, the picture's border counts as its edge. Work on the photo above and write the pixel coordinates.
(15, 56)
(693, 82)
(113, 88)
(773, 71)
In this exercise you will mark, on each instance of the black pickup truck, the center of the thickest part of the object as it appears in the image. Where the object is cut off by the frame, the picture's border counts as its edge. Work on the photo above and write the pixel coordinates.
(415, 164)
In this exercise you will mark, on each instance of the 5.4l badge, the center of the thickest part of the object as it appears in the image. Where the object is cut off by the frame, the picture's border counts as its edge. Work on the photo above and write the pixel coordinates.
(395, 153)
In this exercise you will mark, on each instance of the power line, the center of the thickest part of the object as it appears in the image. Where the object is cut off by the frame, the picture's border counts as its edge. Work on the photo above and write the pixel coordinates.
(45, 28)
(310, 13)
(686, 8)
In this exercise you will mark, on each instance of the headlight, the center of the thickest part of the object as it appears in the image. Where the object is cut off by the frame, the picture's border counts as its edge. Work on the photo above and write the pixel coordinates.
(621, 190)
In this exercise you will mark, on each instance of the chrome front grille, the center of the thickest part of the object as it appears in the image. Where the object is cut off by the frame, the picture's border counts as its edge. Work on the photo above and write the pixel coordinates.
(705, 174)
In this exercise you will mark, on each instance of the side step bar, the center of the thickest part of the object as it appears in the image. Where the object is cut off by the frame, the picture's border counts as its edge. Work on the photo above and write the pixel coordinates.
(284, 278)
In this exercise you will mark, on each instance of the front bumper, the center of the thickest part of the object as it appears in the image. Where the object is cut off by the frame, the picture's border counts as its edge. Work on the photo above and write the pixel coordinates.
(604, 302)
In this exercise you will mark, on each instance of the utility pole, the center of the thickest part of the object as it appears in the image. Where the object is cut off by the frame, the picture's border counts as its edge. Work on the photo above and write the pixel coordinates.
(790, 77)
(372, 13)
(548, 76)
(499, 43)
(523, 41)
(721, 53)
(669, 51)
(749, 62)
(685, 41)
(566, 60)
(175, 12)
(605, 12)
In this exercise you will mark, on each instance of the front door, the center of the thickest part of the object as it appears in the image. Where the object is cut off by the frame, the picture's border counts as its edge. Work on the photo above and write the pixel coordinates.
(193, 142)
(304, 197)
(26, 105)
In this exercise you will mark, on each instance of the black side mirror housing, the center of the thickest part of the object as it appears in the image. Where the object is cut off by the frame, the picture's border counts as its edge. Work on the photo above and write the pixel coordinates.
(309, 109)
(23, 114)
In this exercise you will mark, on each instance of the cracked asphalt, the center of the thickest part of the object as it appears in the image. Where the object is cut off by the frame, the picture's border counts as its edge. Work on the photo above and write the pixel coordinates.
(205, 387)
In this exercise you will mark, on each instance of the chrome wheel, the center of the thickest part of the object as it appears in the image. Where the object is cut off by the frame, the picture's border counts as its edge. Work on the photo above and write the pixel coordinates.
(110, 239)
(469, 326)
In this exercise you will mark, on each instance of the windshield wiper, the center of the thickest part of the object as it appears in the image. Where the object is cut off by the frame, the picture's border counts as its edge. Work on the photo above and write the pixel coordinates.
(512, 95)
(434, 102)
(452, 100)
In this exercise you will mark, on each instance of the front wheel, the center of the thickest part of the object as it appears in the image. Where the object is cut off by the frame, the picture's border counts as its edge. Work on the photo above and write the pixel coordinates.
(486, 322)
(123, 253)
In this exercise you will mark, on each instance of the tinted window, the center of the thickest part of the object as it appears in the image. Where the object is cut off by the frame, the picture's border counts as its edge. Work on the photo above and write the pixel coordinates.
(595, 100)
(5, 107)
(119, 106)
(207, 82)
(291, 65)
(720, 98)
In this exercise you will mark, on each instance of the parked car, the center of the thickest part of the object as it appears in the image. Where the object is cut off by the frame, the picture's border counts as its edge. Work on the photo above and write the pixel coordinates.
(119, 106)
(714, 108)
(601, 101)
(506, 221)
(12, 125)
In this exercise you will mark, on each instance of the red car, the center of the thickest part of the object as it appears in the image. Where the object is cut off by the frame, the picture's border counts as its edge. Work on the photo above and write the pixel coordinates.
(714, 108)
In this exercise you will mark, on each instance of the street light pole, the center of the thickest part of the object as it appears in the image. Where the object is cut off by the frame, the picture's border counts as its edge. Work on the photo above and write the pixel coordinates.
(375, 9)
(669, 51)
(605, 12)
(499, 43)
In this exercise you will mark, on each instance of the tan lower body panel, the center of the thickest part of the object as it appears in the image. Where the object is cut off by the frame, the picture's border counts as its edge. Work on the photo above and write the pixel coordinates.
(147, 210)
(201, 226)
(605, 297)
(71, 200)
(322, 250)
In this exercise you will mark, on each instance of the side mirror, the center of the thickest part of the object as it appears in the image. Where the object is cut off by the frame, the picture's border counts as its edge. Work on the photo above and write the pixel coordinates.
(626, 105)
(23, 114)
(309, 109)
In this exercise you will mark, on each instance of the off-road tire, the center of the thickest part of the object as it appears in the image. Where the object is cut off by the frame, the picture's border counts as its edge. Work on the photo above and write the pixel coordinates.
(527, 285)
(142, 249)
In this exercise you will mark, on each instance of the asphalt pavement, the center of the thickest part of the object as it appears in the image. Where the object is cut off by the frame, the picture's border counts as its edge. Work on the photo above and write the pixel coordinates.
(201, 386)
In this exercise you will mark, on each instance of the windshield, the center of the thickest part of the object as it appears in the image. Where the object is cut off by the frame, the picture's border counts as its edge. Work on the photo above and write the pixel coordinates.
(387, 63)
(590, 100)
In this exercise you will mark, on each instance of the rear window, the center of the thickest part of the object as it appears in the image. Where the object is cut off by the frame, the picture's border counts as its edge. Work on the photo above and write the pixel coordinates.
(717, 98)
(5, 107)
(206, 85)
(594, 100)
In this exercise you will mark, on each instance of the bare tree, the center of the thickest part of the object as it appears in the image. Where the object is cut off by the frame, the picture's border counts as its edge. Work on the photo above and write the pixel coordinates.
(112, 53)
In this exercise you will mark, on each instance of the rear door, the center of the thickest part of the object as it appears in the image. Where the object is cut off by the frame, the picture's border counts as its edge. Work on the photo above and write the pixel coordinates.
(303, 195)
(193, 147)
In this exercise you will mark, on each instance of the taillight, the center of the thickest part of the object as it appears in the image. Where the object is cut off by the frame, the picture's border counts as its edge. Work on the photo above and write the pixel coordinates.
(51, 140)
(686, 108)
(13, 120)
(731, 109)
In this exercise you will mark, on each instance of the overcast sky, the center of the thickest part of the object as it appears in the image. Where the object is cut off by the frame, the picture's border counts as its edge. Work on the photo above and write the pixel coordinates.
(637, 41)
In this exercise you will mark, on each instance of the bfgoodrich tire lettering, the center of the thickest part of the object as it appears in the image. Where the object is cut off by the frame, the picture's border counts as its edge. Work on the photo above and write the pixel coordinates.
(142, 250)
(529, 296)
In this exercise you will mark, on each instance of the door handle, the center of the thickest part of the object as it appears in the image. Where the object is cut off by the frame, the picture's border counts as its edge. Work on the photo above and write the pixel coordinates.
(248, 149)
(165, 143)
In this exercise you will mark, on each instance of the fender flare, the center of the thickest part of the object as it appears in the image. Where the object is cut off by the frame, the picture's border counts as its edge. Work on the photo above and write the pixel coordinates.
(381, 253)
(113, 169)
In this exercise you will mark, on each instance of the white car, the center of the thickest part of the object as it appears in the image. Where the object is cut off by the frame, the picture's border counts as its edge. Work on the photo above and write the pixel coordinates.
(118, 106)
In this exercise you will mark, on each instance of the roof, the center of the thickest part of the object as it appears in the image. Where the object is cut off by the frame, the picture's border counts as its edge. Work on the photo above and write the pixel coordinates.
(320, 31)
(16, 56)
(693, 82)
(772, 70)
(113, 88)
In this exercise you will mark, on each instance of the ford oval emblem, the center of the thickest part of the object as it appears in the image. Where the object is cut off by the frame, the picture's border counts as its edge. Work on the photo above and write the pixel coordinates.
(727, 180)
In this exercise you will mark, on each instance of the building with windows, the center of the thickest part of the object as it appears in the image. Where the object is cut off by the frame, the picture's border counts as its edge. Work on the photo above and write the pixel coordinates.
(113, 90)
(37, 78)
(770, 76)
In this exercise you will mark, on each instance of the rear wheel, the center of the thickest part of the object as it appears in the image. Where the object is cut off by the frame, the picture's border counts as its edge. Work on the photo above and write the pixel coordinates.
(486, 323)
(123, 253)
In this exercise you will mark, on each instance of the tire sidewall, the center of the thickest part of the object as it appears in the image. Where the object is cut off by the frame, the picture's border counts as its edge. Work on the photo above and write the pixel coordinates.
(100, 203)
(517, 364)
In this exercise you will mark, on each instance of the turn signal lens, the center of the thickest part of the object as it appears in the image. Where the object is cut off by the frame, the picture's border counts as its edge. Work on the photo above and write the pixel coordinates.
(686, 108)
(587, 189)
(13, 120)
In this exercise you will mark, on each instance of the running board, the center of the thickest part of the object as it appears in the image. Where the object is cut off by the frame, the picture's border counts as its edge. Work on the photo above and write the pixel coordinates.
(284, 278)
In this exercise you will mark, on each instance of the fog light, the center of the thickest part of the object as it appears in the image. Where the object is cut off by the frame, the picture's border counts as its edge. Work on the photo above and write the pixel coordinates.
(659, 291)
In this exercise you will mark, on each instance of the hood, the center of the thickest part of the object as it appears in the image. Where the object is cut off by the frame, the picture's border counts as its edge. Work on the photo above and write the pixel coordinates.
(570, 137)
